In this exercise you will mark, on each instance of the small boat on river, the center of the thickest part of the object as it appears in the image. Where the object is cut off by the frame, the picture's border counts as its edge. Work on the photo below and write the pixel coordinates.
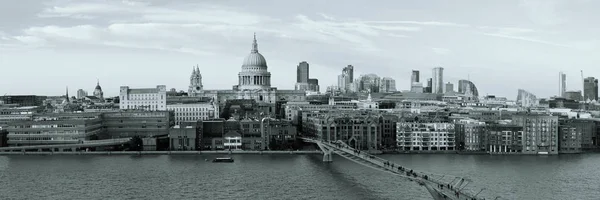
(224, 160)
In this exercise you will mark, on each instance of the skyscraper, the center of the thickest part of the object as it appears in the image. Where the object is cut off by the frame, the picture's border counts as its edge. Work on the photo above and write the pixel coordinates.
(449, 87)
(429, 85)
(387, 85)
(415, 77)
(302, 72)
(349, 70)
(562, 84)
(590, 89)
(346, 79)
(437, 86)
(415, 85)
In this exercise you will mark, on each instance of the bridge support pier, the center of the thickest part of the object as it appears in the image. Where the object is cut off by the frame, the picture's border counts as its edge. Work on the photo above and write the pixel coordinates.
(327, 157)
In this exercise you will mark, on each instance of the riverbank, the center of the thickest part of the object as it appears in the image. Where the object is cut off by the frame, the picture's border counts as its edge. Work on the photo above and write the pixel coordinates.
(154, 152)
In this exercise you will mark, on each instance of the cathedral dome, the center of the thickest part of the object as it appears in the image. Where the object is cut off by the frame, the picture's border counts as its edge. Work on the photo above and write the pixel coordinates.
(254, 59)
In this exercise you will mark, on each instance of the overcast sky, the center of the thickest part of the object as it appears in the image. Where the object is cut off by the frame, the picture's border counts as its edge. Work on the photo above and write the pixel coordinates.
(501, 45)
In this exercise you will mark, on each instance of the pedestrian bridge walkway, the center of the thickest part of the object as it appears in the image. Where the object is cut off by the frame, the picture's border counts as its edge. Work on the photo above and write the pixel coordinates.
(434, 183)
(60, 147)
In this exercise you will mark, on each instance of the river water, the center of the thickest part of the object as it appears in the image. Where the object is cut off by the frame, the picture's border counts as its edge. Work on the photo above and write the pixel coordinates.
(289, 177)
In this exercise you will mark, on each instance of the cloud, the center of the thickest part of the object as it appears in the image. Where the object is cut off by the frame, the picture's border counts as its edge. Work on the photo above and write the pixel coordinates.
(352, 32)
(515, 33)
(422, 23)
(508, 30)
(397, 35)
(327, 17)
(441, 51)
(527, 39)
(543, 12)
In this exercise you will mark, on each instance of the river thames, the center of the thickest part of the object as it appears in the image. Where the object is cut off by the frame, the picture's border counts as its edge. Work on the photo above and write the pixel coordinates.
(288, 177)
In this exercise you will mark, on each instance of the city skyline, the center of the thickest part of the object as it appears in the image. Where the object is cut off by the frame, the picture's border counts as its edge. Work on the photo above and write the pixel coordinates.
(65, 43)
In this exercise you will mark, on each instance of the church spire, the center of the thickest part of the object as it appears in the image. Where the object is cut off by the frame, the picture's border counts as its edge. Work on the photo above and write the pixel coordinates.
(67, 93)
(254, 45)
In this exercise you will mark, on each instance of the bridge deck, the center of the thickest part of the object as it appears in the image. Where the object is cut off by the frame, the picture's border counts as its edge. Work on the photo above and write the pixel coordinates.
(434, 186)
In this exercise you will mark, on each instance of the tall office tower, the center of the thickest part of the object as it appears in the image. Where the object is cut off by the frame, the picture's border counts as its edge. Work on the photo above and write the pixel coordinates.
(415, 85)
(81, 94)
(369, 83)
(346, 79)
(302, 77)
(449, 87)
(302, 72)
(437, 86)
(590, 89)
(429, 85)
(562, 84)
(349, 70)
(415, 77)
(387, 85)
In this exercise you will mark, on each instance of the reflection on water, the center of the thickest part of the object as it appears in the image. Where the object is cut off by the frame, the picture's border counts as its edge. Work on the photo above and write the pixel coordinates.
(288, 177)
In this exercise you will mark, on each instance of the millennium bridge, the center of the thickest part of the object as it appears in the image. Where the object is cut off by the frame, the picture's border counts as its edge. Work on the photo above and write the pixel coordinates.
(439, 189)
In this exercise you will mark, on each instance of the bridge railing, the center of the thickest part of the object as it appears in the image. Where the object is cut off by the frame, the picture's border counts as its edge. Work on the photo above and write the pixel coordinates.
(422, 176)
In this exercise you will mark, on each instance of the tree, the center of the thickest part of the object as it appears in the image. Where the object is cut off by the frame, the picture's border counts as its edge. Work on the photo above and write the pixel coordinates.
(273, 144)
(136, 144)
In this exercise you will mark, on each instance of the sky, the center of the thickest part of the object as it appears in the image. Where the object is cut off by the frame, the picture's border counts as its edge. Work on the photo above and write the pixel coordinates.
(500, 45)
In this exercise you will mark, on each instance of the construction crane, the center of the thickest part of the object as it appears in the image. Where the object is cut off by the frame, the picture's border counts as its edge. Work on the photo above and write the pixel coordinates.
(582, 86)
(582, 80)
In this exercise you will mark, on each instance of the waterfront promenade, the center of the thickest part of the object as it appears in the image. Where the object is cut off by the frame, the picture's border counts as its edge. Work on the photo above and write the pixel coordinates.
(153, 152)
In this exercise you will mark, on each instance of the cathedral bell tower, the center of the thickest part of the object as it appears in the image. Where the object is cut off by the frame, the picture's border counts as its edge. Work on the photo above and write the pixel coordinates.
(196, 87)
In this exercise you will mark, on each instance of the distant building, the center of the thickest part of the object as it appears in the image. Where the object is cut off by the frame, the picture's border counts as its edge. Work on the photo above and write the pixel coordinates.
(140, 123)
(361, 130)
(183, 137)
(387, 85)
(449, 87)
(369, 83)
(574, 95)
(144, 98)
(302, 72)
(195, 88)
(468, 88)
(419, 136)
(526, 99)
(470, 136)
(98, 91)
(313, 85)
(576, 136)
(415, 78)
(540, 133)
(81, 94)
(24, 100)
(415, 83)
(346, 79)
(510, 139)
(562, 84)
(193, 111)
(55, 128)
(437, 80)
(429, 87)
(590, 89)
